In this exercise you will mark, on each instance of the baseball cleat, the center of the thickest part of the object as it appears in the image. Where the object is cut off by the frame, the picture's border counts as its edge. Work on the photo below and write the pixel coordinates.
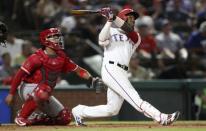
(78, 119)
(170, 118)
(22, 121)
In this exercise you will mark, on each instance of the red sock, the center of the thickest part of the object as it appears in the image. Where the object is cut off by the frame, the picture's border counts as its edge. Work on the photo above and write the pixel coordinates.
(28, 107)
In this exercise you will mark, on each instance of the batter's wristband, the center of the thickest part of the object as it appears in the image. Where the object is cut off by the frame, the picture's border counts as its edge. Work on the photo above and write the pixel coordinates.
(112, 19)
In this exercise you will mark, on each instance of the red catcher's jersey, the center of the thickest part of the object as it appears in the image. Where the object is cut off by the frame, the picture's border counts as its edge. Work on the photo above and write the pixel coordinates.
(42, 68)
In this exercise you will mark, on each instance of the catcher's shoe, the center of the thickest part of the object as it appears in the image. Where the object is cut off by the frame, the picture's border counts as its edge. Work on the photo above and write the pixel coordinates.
(22, 121)
(78, 119)
(170, 118)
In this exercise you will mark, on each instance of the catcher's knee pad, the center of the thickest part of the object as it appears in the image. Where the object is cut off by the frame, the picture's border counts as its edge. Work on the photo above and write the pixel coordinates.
(42, 92)
(64, 117)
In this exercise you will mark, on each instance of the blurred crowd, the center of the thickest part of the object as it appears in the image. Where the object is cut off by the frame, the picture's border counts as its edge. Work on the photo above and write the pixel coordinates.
(173, 34)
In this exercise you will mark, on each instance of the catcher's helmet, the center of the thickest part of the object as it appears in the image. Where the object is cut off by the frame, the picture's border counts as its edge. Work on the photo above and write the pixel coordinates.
(52, 38)
(123, 14)
(3, 34)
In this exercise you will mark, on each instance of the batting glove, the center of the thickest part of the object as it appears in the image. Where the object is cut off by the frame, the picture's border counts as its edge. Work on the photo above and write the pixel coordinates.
(107, 12)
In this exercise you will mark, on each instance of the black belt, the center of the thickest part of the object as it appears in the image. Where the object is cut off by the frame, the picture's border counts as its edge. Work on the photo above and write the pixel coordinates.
(124, 67)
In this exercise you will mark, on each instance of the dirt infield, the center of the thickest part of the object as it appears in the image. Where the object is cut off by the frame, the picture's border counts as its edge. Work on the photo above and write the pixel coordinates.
(188, 124)
(105, 125)
(151, 125)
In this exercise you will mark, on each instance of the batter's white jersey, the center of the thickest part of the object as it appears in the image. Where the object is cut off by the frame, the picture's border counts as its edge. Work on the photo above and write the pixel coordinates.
(119, 47)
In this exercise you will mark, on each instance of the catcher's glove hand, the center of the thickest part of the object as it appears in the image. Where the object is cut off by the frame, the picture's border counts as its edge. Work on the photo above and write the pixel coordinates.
(97, 84)
(3, 34)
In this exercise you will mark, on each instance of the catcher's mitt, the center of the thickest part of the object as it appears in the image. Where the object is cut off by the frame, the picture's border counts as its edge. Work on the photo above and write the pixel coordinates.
(3, 34)
(98, 84)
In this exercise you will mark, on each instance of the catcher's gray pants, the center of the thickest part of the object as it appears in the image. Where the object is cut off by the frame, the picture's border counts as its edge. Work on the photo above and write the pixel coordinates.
(51, 107)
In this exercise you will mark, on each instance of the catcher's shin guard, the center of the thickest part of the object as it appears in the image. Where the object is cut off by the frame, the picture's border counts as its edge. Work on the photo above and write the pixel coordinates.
(40, 118)
(28, 107)
(22, 118)
(63, 118)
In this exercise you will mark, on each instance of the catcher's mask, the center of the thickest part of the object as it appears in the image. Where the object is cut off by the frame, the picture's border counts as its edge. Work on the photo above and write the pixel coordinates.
(3, 34)
(125, 12)
(52, 38)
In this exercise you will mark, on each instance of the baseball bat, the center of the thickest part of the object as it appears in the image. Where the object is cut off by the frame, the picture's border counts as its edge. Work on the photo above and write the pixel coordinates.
(83, 12)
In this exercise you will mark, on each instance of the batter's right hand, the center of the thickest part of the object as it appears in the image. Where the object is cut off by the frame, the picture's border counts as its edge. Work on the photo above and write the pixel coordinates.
(9, 99)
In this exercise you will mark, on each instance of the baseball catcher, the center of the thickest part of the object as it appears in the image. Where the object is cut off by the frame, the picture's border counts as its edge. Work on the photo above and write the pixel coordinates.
(36, 79)
(3, 34)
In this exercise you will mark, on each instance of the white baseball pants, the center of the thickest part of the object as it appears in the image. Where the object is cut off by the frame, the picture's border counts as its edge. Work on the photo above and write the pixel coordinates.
(119, 89)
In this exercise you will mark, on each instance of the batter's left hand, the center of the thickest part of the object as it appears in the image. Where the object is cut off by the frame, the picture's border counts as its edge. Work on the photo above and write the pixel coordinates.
(107, 12)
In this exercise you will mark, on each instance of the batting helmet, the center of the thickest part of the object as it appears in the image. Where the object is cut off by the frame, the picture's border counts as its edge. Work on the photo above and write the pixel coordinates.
(52, 38)
(123, 14)
(3, 34)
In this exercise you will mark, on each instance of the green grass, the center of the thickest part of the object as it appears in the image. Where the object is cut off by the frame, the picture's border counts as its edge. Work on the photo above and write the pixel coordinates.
(116, 126)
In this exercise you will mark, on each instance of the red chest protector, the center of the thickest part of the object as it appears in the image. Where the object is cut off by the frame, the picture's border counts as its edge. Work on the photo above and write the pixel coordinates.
(46, 69)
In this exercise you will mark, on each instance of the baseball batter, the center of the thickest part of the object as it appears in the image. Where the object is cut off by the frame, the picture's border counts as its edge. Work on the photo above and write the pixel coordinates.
(120, 41)
(37, 78)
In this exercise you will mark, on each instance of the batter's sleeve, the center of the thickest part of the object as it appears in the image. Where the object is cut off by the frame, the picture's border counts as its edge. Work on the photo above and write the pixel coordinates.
(69, 65)
(104, 35)
(32, 63)
(135, 37)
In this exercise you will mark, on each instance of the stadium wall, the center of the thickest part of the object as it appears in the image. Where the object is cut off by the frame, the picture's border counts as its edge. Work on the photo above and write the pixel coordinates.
(167, 95)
